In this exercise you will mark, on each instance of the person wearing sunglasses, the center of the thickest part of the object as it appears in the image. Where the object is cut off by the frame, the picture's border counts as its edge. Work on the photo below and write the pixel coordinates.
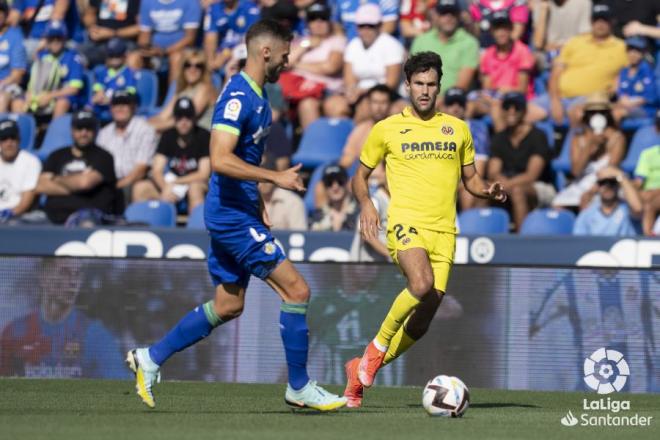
(194, 82)
(609, 214)
(340, 212)
(20, 172)
(79, 177)
(520, 159)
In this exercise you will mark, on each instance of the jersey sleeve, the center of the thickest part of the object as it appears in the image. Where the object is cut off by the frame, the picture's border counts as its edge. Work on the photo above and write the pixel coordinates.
(74, 75)
(146, 23)
(389, 9)
(191, 15)
(374, 147)
(32, 174)
(467, 152)
(231, 112)
(18, 58)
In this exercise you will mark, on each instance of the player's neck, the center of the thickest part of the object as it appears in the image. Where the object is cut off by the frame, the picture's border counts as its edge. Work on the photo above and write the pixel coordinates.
(256, 73)
(425, 116)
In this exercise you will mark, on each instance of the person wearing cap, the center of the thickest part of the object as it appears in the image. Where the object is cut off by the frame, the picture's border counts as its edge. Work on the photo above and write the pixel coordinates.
(167, 28)
(587, 64)
(595, 144)
(56, 77)
(20, 172)
(181, 166)
(130, 139)
(79, 177)
(34, 18)
(374, 57)
(458, 49)
(455, 104)
(637, 96)
(106, 20)
(225, 25)
(520, 159)
(339, 212)
(13, 60)
(114, 75)
(506, 66)
(481, 12)
(608, 214)
(316, 62)
(345, 14)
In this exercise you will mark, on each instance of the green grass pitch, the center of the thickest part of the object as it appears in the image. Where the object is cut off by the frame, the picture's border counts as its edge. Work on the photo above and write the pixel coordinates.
(96, 410)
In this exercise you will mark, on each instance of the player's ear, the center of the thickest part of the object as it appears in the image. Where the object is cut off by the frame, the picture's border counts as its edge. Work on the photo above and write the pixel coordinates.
(407, 84)
(266, 52)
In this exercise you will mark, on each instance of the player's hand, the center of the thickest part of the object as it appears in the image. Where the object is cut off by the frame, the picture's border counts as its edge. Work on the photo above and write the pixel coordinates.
(290, 179)
(496, 192)
(369, 222)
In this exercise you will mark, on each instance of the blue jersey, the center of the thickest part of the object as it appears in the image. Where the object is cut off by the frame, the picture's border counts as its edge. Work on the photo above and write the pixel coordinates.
(109, 81)
(593, 221)
(242, 109)
(231, 27)
(12, 52)
(27, 9)
(167, 20)
(641, 84)
(481, 138)
(70, 73)
(344, 13)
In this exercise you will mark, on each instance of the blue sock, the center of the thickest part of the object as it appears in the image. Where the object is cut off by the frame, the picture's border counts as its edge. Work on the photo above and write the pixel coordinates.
(195, 326)
(295, 336)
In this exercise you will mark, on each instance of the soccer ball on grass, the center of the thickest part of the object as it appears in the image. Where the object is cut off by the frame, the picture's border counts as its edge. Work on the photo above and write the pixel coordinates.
(446, 396)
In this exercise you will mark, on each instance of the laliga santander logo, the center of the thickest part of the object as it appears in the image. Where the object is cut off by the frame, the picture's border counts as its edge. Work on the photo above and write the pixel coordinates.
(606, 371)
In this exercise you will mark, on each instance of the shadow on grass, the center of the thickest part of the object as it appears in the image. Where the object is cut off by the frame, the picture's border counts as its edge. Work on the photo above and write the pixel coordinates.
(490, 405)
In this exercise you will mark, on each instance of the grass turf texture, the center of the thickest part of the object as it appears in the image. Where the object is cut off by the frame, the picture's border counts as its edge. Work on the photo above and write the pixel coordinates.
(94, 409)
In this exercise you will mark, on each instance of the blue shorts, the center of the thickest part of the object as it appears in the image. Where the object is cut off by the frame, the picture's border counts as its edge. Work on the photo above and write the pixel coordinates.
(237, 252)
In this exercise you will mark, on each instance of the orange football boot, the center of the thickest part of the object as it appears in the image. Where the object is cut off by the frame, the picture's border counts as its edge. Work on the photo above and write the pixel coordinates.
(371, 361)
(354, 389)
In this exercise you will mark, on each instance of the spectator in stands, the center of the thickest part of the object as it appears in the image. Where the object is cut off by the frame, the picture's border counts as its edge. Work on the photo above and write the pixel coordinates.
(56, 77)
(596, 144)
(34, 18)
(106, 20)
(557, 21)
(20, 173)
(181, 167)
(608, 215)
(340, 212)
(316, 63)
(79, 177)
(284, 12)
(587, 64)
(633, 14)
(193, 81)
(166, 29)
(115, 75)
(506, 66)
(455, 102)
(225, 25)
(371, 58)
(636, 28)
(13, 60)
(374, 248)
(130, 139)
(346, 14)
(647, 178)
(520, 159)
(458, 49)
(414, 20)
(481, 12)
(636, 89)
(284, 209)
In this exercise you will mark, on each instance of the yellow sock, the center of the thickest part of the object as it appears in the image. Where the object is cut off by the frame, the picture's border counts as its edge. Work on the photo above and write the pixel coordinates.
(400, 343)
(401, 308)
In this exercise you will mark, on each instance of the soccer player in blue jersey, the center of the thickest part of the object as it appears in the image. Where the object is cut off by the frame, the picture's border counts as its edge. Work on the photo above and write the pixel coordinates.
(241, 242)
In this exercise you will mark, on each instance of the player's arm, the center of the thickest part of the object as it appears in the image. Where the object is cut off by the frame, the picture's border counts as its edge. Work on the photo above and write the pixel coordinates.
(478, 187)
(369, 219)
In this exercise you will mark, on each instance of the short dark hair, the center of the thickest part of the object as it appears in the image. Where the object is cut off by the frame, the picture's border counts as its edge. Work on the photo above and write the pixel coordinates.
(381, 88)
(423, 62)
(270, 28)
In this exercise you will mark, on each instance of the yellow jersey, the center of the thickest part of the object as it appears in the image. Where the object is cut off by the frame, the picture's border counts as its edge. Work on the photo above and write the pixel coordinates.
(423, 161)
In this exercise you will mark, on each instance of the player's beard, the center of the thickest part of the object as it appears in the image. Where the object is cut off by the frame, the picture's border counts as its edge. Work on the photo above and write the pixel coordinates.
(273, 73)
(428, 109)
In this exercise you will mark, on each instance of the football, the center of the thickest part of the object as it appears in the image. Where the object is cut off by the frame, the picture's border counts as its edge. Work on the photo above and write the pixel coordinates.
(446, 396)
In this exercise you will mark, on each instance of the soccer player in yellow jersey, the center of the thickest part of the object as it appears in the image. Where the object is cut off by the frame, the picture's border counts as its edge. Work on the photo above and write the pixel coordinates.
(425, 153)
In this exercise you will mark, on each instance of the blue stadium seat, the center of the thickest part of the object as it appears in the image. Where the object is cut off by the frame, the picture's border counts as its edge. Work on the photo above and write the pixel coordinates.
(548, 222)
(58, 135)
(562, 164)
(484, 221)
(634, 124)
(644, 137)
(549, 130)
(147, 90)
(88, 86)
(314, 179)
(27, 128)
(152, 212)
(196, 218)
(323, 141)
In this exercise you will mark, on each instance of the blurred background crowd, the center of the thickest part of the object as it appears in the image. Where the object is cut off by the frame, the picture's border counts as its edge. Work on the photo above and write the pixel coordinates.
(106, 105)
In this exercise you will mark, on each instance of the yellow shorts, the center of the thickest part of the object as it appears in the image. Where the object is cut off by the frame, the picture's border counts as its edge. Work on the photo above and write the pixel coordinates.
(439, 246)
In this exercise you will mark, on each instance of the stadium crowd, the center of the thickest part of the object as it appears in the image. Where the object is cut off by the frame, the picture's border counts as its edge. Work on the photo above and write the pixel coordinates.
(106, 104)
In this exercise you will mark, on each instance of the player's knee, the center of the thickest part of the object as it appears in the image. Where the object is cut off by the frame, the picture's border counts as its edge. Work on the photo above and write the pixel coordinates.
(298, 293)
(419, 286)
(228, 310)
(517, 192)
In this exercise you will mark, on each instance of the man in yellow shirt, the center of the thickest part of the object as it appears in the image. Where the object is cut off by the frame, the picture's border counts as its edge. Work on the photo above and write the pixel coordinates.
(587, 64)
(425, 154)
